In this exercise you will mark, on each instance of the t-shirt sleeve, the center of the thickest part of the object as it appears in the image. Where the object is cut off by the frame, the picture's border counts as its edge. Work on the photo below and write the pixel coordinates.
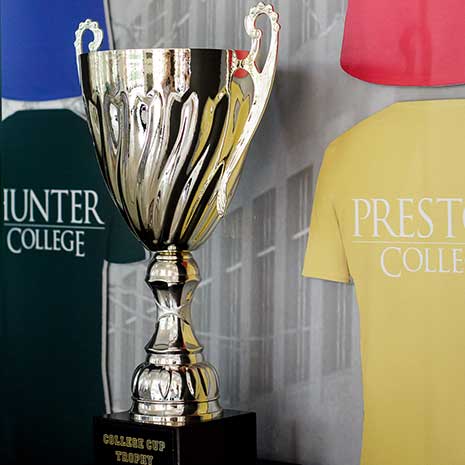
(123, 247)
(325, 257)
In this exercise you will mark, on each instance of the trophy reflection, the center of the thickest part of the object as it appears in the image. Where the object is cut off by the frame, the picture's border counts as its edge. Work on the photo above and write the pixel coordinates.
(171, 128)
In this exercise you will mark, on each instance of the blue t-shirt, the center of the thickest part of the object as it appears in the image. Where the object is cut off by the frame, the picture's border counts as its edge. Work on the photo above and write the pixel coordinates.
(37, 39)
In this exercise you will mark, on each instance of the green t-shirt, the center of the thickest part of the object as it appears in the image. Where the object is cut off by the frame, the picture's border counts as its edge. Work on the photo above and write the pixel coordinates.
(59, 225)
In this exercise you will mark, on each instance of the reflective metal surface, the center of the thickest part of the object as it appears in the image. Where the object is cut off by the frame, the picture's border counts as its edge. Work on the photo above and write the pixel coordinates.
(171, 129)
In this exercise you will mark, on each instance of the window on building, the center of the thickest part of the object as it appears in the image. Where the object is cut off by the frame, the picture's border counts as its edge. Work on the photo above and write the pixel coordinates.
(313, 20)
(121, 333)
(130, 31)
(202, 302)
(263, 273)
(208, 18)
(297, 319)
(131, 318)
(156, 26)
(235, 32)
(335, 11)
(310, 21)
(181, 22)
(337, 327)
(305, 21)
(230, 318)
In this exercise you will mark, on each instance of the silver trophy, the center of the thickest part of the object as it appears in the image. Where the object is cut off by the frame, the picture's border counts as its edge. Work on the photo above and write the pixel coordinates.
(171, 129)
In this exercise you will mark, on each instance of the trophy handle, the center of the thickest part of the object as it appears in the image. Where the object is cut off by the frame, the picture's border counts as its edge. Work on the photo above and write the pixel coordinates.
(263, 82)
(87, 25)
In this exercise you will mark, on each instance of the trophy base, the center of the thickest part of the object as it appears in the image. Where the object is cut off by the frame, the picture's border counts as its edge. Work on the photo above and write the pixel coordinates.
(227, 440)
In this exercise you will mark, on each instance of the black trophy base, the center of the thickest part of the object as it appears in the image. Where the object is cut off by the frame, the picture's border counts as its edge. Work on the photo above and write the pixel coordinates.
(229, 440)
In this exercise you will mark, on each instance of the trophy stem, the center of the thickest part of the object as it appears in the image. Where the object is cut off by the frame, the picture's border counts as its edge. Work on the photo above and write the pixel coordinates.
(174, 385)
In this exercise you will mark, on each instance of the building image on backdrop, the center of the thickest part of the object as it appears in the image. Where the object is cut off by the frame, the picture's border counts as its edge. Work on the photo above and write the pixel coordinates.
(277, 351)
(285, 347)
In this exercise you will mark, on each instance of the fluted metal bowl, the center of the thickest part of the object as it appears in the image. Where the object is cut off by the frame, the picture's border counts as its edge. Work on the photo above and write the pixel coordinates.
(172, 127)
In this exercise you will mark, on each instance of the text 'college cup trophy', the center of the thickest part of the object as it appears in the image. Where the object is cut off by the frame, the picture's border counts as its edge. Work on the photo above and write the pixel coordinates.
(171, 128)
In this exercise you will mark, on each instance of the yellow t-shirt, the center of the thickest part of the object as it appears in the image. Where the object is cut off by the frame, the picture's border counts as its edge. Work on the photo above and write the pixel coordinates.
(389, 212)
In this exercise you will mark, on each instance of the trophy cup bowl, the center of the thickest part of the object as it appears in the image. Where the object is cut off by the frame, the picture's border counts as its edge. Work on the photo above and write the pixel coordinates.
(171, 129)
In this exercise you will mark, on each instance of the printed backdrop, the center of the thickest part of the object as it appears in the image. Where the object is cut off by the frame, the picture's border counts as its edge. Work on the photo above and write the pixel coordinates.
(285, 346)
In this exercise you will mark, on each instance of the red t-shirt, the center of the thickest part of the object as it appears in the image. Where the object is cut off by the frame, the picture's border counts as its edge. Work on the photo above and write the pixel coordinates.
(405, 42)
